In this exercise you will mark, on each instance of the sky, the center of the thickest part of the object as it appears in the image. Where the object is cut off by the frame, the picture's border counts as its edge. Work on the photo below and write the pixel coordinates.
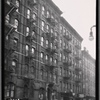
(81, 15)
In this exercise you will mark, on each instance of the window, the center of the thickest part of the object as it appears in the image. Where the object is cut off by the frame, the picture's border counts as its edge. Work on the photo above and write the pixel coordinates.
(52, 16)
(27, 31)
(34, 16)
(41, 72)
(42, 41)
(25, 91)
(56, 34)
(46, 57)
(60, 71)
(27, 49)
(51, 59)
(33, 33)
(42, 55)
(33, 50)
(28, 13)
(55, 78)
(15, 42)
(7, 19)
(17, 4)
(9, 90)
(43, 26)
(43, 10)
(14, 63)
(55, 61)
(8, 2)
(60, 56)
(47, 28)
(64, 31)
(63, 57)
(51, 45)
(47, 43)
(64, 44)
(48, 14)
(16, 24)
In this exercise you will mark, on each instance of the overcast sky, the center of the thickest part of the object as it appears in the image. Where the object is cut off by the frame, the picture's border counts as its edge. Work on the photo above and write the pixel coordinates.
(81, 15)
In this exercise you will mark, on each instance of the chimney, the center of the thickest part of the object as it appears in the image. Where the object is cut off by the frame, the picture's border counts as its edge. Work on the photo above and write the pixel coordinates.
(84, 48)
(87, 51)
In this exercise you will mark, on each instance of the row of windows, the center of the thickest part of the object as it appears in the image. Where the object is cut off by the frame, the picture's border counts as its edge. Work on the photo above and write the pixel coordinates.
(68, 87)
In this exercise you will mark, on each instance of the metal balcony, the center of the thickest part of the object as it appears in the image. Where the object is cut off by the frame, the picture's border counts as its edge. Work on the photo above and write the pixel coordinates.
(29, 38)
(69, 38)
(9, 28)
(51, 21)
(77, 46)
(67, 50)
(10, 7)
(67, 77)
(30, 21)
(77, 69)
(78, 57)
(51, 51)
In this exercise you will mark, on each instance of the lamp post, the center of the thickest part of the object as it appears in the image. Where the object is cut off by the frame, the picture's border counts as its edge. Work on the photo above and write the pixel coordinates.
(91, 37)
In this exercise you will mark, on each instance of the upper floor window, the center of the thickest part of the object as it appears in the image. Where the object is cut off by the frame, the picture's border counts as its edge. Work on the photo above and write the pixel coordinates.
(16, 24)
(56, 34)
(64, 31)
(15, 42)
(42, 55)
(34, 16)
(51, 59)
(17, 3)
(14, 63)
(47, 28)
(52, 16)
(48, 14)
(27, 31)
(60, 71)
(42, 41)
(9, 90)
(52, 31)
(43, 10)
(43, 25)
(28, 13)
(27, 49)
(47, 43)
(46, 57)
(33, 50)
(55, 61)
(51, 45)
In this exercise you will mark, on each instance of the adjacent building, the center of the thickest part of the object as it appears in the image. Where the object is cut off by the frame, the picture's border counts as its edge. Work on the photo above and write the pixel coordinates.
(43, 57)
(88, 67)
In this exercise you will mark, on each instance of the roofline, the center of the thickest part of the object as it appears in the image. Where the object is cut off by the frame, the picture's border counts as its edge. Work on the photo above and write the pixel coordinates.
(73, 30)
(55, 6)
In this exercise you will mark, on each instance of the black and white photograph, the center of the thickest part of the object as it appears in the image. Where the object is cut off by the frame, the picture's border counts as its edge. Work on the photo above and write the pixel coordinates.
(49, 50)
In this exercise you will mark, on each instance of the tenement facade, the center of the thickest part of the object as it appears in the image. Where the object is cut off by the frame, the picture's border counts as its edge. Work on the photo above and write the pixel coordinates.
(88, 66)
(43, 57)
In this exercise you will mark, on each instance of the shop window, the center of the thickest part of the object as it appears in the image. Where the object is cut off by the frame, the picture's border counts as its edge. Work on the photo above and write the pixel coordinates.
(9, 90)
(25, 91)
(28, 14)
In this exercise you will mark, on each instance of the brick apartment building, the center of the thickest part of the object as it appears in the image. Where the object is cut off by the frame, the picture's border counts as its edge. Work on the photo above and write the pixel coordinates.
(88, 67)
(43, 57)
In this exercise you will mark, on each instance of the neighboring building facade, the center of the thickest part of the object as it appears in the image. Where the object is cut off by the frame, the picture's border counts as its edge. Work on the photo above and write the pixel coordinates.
(42, 52)
(70, 61)
(88, 64)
